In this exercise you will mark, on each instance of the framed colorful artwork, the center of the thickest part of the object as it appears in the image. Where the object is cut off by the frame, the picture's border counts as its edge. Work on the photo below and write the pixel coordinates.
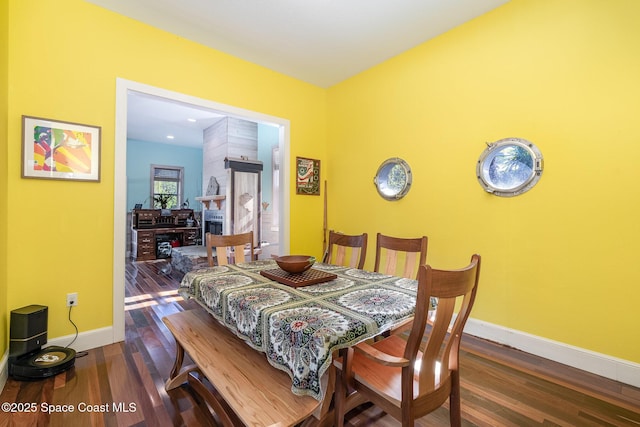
(53, 149)
(307, 176)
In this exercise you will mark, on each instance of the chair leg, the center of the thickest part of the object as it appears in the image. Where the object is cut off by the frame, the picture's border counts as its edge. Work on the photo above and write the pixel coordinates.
(455, 416)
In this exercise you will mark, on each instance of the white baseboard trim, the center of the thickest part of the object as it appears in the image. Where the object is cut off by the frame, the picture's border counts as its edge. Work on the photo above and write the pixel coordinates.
(604, 365)
(86, 340)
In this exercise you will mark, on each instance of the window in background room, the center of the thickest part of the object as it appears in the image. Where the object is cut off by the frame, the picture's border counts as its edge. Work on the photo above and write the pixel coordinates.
(166, 186)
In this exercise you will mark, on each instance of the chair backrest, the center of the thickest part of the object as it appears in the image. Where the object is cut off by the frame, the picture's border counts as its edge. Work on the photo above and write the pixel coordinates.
(347, 250)
(400, 256)
(427, 374)
(455, 291)
(230, 249)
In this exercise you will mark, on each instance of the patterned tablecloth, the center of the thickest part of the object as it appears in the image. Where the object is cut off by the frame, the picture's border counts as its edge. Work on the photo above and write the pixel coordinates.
(299, 329)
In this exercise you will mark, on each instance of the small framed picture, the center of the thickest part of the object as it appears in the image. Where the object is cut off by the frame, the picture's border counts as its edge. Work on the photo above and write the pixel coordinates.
(307, 176)
(53, 149)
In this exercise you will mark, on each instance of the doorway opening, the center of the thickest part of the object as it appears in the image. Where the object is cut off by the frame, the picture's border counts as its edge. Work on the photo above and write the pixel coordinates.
(123, 89)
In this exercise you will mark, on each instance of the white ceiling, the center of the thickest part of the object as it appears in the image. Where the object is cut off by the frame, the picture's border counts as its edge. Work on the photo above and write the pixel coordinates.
(322, 42)
(154, 119)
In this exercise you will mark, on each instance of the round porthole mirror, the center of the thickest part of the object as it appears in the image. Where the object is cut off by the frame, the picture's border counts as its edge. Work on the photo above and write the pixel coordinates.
(393, 179)
(509, 167)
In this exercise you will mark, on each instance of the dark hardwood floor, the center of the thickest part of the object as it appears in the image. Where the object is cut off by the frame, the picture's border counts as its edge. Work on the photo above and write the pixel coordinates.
(123, 384)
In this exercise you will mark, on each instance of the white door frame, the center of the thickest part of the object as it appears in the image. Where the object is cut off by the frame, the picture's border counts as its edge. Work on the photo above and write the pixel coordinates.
(120, 180)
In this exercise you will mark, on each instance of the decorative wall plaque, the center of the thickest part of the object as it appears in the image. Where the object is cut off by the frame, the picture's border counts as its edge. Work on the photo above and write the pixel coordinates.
(307, 176)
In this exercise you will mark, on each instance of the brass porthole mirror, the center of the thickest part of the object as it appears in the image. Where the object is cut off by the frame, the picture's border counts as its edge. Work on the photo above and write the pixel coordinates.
(509, 167)
(393, 179)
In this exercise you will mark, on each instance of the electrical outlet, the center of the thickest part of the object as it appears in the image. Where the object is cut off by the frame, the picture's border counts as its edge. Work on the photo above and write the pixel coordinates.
(72, 299)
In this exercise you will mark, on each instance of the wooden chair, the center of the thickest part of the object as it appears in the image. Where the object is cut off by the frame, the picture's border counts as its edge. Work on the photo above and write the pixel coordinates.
(339, 247)
(390, 251)
(394, 374)
(230, 249)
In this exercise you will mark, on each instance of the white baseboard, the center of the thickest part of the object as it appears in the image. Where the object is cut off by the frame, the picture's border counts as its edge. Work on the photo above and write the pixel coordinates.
(86, 340)
(604, 365)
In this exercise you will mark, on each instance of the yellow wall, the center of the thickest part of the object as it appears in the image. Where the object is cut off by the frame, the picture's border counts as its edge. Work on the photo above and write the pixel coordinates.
(64, 58)
(559, 261)
(4, 100)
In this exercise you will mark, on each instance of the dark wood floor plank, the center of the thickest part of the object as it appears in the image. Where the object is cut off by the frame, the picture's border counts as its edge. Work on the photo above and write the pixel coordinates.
(125, 388)
(585, 382)
(500, 386)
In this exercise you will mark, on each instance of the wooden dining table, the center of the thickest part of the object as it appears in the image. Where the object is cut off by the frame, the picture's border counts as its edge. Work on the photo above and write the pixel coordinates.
(301, 328)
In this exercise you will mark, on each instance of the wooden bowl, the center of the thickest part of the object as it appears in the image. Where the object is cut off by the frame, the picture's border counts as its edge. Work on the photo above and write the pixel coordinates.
(295, 263)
